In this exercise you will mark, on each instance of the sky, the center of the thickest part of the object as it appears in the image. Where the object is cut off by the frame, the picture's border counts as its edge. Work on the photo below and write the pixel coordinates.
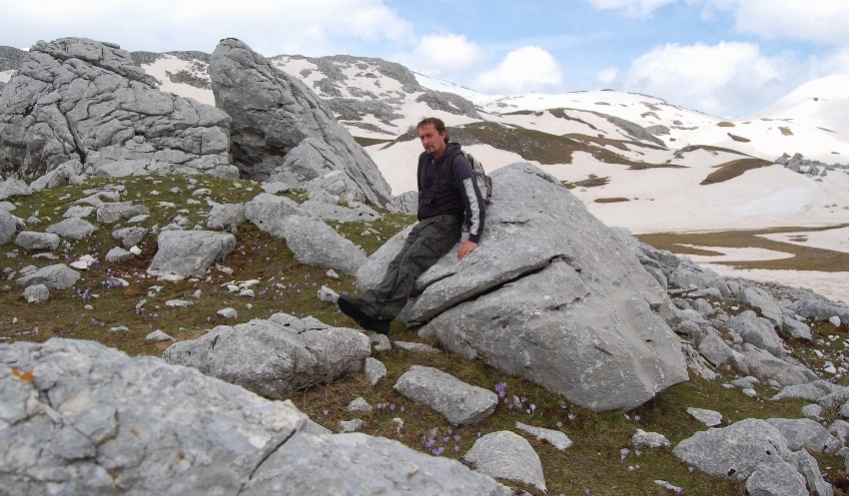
(727, 58)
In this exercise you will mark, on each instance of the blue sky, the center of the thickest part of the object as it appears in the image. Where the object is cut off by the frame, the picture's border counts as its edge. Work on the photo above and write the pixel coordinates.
(723, 57)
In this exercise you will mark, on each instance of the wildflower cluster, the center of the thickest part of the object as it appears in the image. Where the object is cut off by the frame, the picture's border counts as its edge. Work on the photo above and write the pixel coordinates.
(447, 438)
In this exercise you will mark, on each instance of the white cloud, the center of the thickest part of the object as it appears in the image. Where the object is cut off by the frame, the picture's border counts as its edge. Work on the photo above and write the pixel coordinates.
(529, 68)
(632, 8)
(717, 79)
(822, 21)
(318, 27)
(441, 54)
(607, 76)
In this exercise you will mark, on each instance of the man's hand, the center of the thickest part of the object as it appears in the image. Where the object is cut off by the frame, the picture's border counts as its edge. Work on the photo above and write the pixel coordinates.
(466, 248)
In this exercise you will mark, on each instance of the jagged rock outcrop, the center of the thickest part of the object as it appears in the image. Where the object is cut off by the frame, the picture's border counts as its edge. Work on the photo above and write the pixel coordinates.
(81, 418)
(551, 295)
(281, 131)
(78, 99)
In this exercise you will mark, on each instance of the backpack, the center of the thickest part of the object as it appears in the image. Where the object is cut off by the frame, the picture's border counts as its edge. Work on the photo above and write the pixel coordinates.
(483, 181)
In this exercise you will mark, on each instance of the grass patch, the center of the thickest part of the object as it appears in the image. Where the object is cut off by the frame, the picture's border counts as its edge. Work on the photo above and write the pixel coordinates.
(364, 142)
(739, 139)
(785, 131)
(734, 169)
(615, 199)
(725, 124)
(805, 257)
(592, 181)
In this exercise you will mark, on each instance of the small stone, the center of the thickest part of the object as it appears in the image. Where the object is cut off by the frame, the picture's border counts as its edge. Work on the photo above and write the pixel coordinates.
(37, 293)
(178, 303)
(347, 426)
(157, 336)
(228, 313)
(359, 405)
(835, 321)
(327, 295)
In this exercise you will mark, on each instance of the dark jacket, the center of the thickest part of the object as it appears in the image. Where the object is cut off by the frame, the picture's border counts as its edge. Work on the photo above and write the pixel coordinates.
(446, 187)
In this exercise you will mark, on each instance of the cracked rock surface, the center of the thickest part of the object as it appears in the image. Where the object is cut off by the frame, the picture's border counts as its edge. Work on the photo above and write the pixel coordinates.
(80, 418)
(78, 99)
(283, 132)
(550, 294)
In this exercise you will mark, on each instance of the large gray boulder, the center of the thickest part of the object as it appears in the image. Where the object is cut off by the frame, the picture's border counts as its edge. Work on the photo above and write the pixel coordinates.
(78, 99)
(550, 295)
(281, 131)
(57, 276)
(190, 253)
(79, 418)
(275, 356)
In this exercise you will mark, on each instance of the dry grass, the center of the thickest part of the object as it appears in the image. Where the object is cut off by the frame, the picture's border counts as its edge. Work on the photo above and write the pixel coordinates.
(739, 139)
(615, 199)
(804, 257)
(734, 169)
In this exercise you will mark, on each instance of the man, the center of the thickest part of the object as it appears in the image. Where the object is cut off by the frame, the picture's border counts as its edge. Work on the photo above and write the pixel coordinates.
(449, 202)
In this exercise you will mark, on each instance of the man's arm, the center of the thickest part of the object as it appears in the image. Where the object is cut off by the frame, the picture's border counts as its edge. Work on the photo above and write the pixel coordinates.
(473, 202)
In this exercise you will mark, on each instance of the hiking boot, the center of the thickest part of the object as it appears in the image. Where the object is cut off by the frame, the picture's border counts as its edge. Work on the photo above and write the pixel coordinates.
(364, 314)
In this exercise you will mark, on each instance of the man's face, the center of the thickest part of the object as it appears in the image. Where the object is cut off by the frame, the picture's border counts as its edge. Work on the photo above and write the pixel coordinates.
(432, 141)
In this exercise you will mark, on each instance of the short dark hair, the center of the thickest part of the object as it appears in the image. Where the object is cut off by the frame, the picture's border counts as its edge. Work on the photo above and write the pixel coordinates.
(437, 123)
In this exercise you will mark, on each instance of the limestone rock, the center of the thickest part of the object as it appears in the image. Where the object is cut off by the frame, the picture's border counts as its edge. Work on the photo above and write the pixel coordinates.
(222, 216)
(34, 240)
(354, 212)
(507, 455)
(766, 366)
(775, 477)
(757, 331)
(458, 402)
(37, 293)
(130, 236)
(58, 276)
(190, 253)
(112, 212)
(85, 412)
(811, 391)
(266, 211)
(77, 99)
(281, 131)
(733, 451)
(650, 439)
(8, 226)
(806, 433)
(72, 228)
(760, 299)
(572, 310)
(11, 188)
(821, 309)
(708, 417)
(118, 255)
(316, 244)
(555, 438)
(275, 356)
(356, 463)
(374, 370)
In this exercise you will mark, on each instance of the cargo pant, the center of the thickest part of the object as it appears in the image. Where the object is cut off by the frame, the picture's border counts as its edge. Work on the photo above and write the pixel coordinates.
(429, 240)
